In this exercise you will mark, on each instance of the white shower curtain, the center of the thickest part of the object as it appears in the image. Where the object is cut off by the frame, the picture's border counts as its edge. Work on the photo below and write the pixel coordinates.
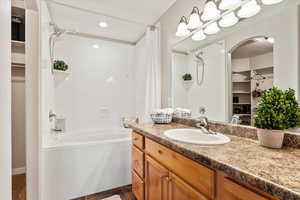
(153, 71)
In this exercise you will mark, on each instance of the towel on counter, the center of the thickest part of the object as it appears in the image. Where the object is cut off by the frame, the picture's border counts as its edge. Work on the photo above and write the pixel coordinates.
(115, 197)
(182, 110)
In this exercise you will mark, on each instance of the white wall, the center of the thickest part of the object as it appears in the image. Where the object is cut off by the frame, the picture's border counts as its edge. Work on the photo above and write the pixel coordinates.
(101, 88)
(18, 122)
(211, 94)
(5, 100)
(47, 79)
(180, 91)
(264, 60)
(32, 105)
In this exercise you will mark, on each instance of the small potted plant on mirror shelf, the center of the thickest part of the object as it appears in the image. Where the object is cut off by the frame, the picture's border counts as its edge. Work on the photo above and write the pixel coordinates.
(187, 80)
(277, 111)
(60, 65)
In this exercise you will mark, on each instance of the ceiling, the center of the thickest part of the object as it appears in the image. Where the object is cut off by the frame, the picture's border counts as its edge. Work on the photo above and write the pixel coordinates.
(253, 47)
(127, 20)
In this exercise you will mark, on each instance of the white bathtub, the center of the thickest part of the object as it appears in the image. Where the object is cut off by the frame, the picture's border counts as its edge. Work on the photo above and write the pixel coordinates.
(79, 164)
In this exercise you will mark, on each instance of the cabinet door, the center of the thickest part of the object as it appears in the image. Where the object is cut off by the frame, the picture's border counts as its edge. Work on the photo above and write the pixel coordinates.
(234, 191)
(156, 180)
(180, 190)
(138, 161)
(137, 186)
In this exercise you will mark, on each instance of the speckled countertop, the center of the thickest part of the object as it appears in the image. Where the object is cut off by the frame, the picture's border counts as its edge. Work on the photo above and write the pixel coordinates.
(276, 172)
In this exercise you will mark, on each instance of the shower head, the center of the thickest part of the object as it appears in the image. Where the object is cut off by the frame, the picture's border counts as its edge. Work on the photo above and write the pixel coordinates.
(199, 55)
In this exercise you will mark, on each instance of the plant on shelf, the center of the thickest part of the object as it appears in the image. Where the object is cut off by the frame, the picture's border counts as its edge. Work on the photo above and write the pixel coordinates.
(60, 65)
(277, 111)
(187, 77)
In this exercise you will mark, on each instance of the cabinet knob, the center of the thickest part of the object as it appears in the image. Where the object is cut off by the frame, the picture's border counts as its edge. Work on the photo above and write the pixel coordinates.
(160, 152)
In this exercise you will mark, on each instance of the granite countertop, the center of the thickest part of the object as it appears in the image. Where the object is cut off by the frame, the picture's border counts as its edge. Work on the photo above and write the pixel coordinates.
(277, 172)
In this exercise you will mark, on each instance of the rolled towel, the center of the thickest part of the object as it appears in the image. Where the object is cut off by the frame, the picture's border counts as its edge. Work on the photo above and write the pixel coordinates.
(115, 197)
(163, 111)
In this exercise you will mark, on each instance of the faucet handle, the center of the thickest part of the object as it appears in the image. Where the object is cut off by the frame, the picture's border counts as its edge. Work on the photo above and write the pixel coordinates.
(202, 110)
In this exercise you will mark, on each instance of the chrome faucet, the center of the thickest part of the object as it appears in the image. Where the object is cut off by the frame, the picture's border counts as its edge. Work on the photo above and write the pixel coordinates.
(203, 123)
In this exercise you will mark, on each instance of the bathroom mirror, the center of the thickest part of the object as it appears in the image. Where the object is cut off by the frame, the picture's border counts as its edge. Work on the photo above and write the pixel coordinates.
(230, 70)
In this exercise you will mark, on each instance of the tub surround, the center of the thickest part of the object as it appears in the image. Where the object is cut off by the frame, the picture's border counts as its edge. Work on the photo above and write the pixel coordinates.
(276, 172)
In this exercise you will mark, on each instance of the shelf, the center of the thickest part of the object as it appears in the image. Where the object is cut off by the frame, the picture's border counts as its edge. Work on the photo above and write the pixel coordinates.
(240, 92)
(242, 81)
(241, 103)
(243, 115)
(241, 71)
(60, 76)
(263, 68)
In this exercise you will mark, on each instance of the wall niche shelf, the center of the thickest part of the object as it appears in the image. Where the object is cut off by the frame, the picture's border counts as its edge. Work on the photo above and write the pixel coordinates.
(60, 76)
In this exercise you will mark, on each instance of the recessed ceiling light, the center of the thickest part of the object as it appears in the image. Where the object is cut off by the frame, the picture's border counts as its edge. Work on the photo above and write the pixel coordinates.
(103, 24)
(96, 46)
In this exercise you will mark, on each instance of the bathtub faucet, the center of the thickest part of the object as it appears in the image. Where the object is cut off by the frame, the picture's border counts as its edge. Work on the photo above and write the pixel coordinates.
(127, 121)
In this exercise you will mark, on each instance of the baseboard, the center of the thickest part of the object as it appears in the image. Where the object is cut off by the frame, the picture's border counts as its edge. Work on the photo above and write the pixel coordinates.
(17, 171)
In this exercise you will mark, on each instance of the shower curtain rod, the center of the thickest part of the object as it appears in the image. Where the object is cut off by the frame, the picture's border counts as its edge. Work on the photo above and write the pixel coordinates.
(87, 35)
(97, 13)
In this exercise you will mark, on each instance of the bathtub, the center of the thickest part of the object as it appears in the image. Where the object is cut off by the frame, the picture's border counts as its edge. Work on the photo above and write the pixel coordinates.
(83, 163)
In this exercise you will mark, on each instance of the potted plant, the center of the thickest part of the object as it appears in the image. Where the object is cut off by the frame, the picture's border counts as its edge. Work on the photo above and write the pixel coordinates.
(187, 81)
(277, 111)
(187, 77)
(60, 65)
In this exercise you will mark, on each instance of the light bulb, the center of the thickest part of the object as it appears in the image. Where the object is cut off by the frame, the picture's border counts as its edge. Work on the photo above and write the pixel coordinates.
(228, 4)
(210, 11)
(249, 9)
(195, 21)
(182, 29)
(103, 24)
(199, 36)
(271, 2)
(271, 40)
(228, 20)
(212, 29)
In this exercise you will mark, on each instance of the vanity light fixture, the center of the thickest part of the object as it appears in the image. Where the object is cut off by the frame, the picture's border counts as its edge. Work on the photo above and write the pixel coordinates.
(182, 29)
(199, 36)
(212, 29)
(103, 24)
(271, 2)
(250, 9)
(228, 20)
(194, 21)
(210, 11)
(219, 13)
(228, 4)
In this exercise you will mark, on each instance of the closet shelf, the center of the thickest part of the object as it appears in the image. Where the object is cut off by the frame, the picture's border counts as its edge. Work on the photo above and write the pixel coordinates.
(242, 81)
(60, 76)
(241, 92)
(241, 103)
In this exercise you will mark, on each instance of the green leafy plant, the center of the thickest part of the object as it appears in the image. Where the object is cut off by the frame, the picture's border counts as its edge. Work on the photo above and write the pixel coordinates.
(187, 77)
(277, 110)
(60, 65)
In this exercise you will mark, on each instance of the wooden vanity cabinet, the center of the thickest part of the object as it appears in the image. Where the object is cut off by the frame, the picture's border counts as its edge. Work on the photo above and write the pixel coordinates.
(160, 173)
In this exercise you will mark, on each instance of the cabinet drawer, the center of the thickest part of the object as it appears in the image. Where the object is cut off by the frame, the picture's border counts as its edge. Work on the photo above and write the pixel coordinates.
(138, 161)
(137, 186)
(234, 191)
(138, 140)
(199, 176)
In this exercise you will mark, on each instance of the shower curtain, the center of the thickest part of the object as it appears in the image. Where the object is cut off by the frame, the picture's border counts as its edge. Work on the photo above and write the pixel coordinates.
(153, 71)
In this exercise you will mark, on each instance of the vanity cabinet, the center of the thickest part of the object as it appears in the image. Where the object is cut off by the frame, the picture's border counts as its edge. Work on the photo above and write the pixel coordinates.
(160, 173)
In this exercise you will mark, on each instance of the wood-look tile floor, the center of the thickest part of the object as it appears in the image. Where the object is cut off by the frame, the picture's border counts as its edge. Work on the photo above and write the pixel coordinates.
(125, 193)
(19, 187)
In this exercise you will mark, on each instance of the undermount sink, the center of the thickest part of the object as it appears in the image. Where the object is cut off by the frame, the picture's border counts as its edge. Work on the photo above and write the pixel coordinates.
(196, 136)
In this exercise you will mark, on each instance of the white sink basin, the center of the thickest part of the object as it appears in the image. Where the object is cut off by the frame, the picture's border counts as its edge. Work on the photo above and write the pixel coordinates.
(196, 136)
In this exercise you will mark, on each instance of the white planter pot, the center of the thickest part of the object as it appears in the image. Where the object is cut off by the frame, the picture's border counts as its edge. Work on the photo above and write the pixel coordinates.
(270, 138)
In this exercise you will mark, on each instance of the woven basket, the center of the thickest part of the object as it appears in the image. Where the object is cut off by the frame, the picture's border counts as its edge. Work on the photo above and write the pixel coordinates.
(161, 118)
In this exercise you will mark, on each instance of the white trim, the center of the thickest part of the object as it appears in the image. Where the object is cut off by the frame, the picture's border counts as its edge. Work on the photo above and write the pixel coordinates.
(18, 171)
